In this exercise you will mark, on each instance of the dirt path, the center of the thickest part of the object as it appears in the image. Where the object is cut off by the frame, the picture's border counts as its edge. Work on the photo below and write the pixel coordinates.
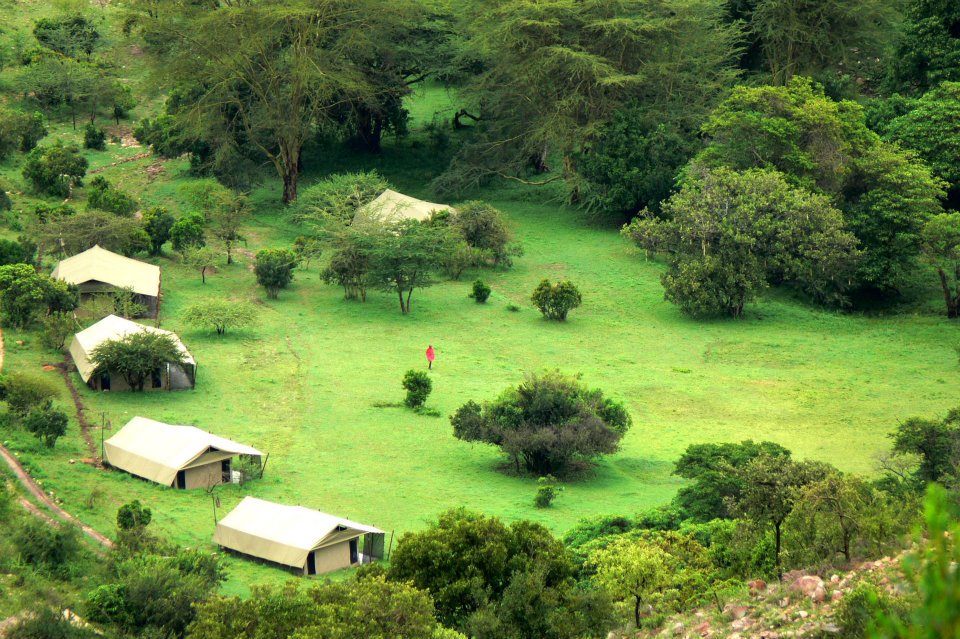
(27, 482)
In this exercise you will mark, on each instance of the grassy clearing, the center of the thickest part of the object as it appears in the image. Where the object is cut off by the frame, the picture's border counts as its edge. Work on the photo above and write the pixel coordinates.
(303, 384)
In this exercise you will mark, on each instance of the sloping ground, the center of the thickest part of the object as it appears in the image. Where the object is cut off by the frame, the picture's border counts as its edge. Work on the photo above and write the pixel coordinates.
(803, 605)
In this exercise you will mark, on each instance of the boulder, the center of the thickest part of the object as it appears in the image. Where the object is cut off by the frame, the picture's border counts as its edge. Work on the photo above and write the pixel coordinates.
(819, 595)
(757, 586)
(807, 585)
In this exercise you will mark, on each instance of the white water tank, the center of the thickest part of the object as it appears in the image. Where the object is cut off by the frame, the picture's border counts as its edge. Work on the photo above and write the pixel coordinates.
(236, 476)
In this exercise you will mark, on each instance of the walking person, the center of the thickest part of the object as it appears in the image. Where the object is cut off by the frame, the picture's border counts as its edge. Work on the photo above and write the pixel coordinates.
(431, 355)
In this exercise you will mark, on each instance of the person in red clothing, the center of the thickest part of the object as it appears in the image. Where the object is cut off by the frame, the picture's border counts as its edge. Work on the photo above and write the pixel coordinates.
(431, 355)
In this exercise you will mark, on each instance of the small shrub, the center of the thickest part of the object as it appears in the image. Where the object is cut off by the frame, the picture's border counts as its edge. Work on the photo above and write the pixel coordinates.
(133, 516)
(556, 300)
(274, 269)
(47, 424)
(101, 195)
(248, 467)
(55, 170)
(480, 292)
(48, 549)
(513, 308)
(23, 392)
(418, 387)
(857, 610)
(546, 491)
(5, 202)
(94, 137)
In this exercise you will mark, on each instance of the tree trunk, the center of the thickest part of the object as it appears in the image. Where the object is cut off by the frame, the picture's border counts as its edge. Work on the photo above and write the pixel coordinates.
(952, 303)
(636, 611)
(409, 293)
(290, 184)
(776, 535)
(203, 275)
(229, 246)
(403, 308)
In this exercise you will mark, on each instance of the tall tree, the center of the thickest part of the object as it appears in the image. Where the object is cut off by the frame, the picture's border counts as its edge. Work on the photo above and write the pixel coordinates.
(288, 72)
(554, 72)
(941, 246)
(137, 356)
(928, 49)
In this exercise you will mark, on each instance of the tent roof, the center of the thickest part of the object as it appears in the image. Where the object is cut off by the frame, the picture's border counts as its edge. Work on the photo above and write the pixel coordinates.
(391, 207)
(157, 451)
(109, 328)
(279, 533)
(100, 265)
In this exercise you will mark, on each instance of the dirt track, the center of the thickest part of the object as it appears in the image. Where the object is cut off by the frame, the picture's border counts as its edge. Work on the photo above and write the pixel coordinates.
(27, 482)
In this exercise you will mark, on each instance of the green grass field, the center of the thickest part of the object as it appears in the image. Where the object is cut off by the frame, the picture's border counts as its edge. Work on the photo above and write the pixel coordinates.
(303, 384)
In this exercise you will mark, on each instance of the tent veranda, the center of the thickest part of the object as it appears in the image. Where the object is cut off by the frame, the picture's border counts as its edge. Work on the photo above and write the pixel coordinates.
(302, 538)
(181, 456)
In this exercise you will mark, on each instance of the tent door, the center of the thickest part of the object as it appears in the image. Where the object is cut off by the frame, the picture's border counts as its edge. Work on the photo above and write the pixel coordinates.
(182, 479)
(354, 555)
(311, 564)
(105, 382)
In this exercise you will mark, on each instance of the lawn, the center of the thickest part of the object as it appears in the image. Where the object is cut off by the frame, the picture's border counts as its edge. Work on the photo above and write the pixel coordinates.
(304, 383)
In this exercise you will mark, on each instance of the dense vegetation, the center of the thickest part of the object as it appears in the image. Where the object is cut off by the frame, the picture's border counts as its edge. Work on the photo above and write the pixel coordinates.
(793, 188)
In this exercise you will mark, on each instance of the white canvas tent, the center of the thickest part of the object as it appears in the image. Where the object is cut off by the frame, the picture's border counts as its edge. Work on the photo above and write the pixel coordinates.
(299, 537)
(391, 207)
(112, 327)
(98, 270)
(181, 456)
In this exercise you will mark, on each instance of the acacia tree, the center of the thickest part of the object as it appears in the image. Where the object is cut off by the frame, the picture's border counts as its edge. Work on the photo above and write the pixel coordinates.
(137, 356)
(405, 256)
(224, 210)
(284, 77)
(552, 73)
(547, 422)
(221, 314)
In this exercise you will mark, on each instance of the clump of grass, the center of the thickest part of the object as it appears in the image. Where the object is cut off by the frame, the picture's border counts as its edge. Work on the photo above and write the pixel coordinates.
(513, 308)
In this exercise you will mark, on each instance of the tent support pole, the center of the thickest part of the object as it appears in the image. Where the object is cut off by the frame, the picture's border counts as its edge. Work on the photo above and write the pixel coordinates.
(263, 466)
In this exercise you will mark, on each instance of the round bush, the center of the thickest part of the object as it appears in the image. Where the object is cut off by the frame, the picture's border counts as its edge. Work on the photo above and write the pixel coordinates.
(94, 137)
(480, 292)
(418, 387)
(556, 300)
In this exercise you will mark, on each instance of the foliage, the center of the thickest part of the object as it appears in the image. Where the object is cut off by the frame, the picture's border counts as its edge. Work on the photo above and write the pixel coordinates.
(349, 266)
(55, 170)
(57, 327)
(224, 210)
(336, 199)
(198, 257)
(665, 573)
(928, 49)
(188, 231)
(404, 256)
(24, 293)
(551, 74)
(137, 356)
(94, 137)
(49, 549)
(490, 578)
(47, 424)
(133, 516)
(484, 228)
(418, 386)
(72, 35)
(480, 292)
(21, 251)
(370, 607)
(714, 470)
(941, 247)
(20, 131)
(23, 392)
(824, 146)
(157, 222)
(547, 422)
(74, 234)
(307, 249)
(932, 129)
(546, 491)
(101, 195)
(556, 300)
(47, 624)
(730, 234)
(935, 441)
(632, 163)
(859, 608)
(274, 269)
(220, 314)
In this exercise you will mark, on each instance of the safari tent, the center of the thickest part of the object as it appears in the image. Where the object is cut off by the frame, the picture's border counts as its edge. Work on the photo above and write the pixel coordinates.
(178, 456)
(111, 327)
(391, 207)
(98, 271)
(306, 540)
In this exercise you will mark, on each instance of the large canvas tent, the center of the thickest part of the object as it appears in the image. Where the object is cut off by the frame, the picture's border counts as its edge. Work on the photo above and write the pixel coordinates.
(391, 207)
(111, 327)
(179, 456)
(301, 538)
(98, 271)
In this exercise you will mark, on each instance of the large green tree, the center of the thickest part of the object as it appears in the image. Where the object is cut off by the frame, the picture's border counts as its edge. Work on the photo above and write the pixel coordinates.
(825, 146)
(729, 234)
(553, 73)
(941, 246)
(928, 49)
(547, 422)
(137, 356)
